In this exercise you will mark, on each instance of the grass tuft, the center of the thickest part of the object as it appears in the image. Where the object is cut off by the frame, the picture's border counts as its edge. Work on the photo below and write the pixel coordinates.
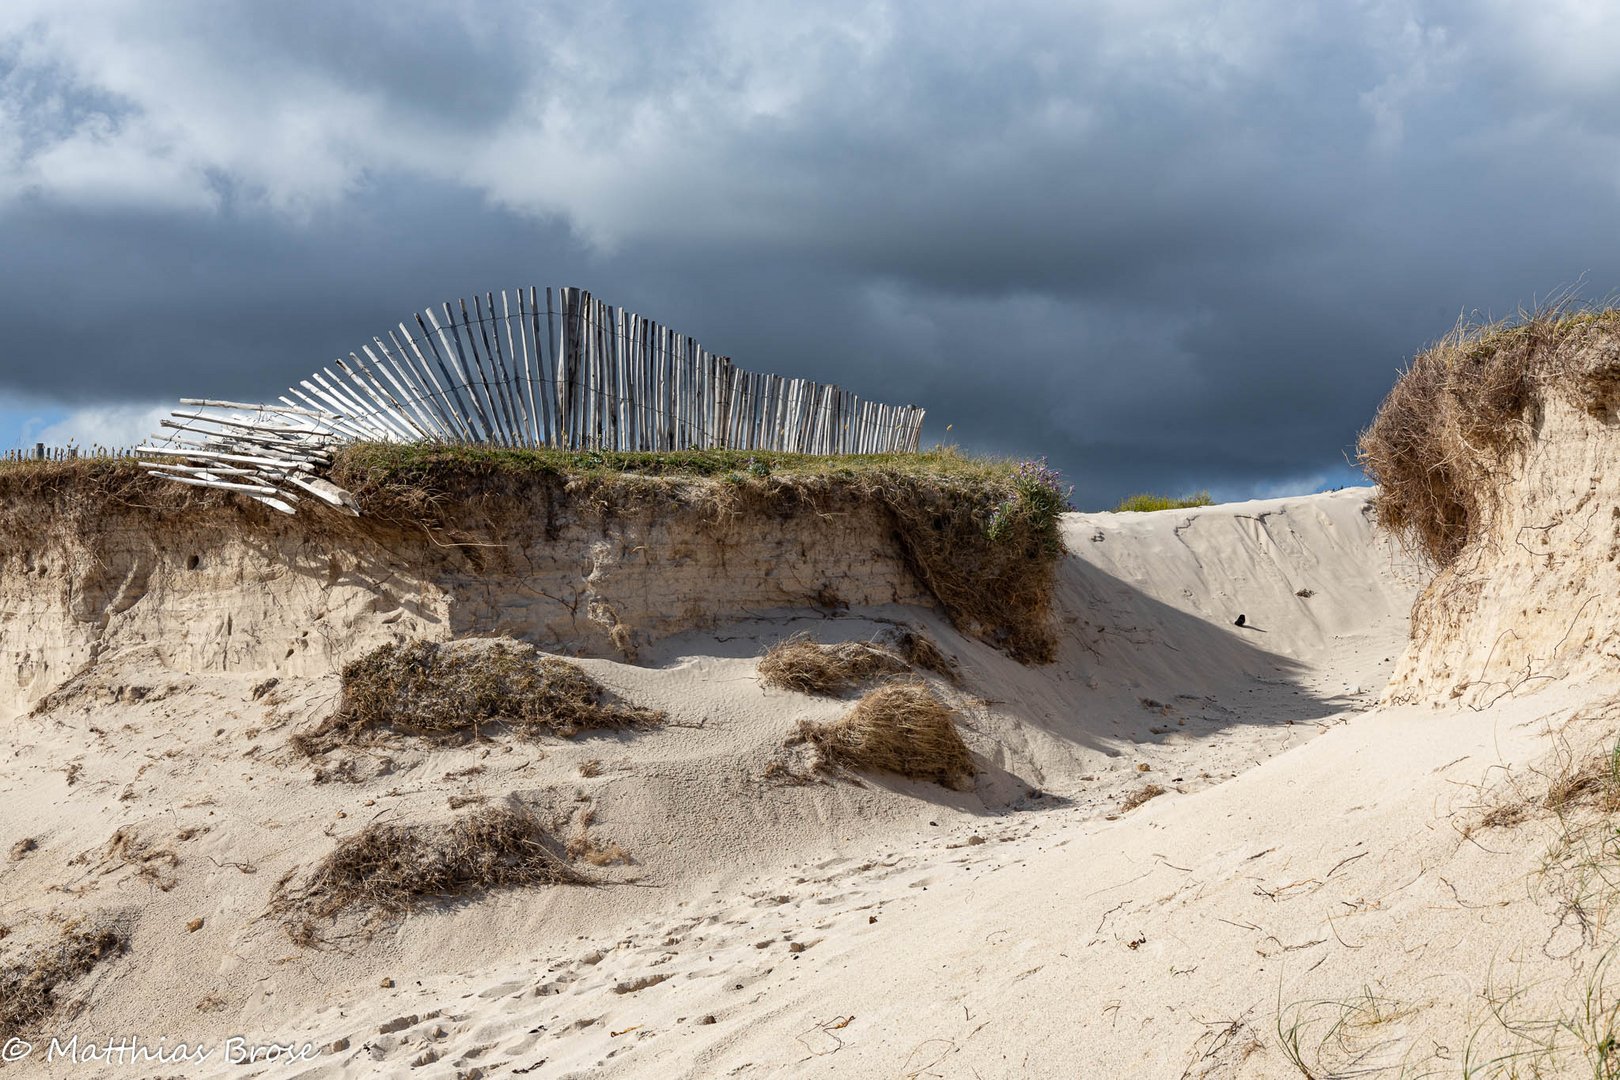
(810, 667)
(388, 869)
(1450, 429)
(1148, 503)
(900, 728)
(31, 979)
(457, 691)
(1581, 1037)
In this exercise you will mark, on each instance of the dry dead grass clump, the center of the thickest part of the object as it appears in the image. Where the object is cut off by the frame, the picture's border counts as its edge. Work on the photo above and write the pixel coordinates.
(1592, 783)
(454, 692)
(30, 979)
(1444, 435)
(1577, 790)
(810, 667)
(1140, 796)
(900, 728)
(582, 845)
(388, 869)
(1502, 816)
(127, 847)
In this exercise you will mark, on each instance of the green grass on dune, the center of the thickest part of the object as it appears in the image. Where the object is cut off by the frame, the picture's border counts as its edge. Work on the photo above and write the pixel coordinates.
(1145, 503)
(402, 460)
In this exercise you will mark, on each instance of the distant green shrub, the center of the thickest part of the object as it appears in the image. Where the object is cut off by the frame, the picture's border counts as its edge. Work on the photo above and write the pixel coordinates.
(1141, 504)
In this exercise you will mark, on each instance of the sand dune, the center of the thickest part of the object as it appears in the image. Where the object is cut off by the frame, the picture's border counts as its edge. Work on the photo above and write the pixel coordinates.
(1193, 848)
(1031, 925)
(1282, 804)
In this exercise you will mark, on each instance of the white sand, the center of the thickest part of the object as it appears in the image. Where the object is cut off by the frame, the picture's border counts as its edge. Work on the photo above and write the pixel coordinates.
(1304, 885)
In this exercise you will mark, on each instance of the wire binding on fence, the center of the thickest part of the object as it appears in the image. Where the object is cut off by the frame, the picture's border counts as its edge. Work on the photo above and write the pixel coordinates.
(575, 374)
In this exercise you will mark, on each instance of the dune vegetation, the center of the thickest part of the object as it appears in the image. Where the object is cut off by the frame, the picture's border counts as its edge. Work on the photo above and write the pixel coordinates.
(902, 727)
(455, 693)
(1448, 431)
(1147, 503)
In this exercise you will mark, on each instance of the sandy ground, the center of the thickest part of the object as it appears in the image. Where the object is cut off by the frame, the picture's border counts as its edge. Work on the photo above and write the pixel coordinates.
(1312, 894)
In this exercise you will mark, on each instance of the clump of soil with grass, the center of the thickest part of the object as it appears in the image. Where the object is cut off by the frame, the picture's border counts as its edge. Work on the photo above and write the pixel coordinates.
(389, 869)
(32, 980)
(1447, 435)
(454, 692)
(902, 728)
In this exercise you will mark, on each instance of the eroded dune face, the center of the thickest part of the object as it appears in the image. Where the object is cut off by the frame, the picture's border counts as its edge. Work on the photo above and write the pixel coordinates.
(1534, 598)
(237, 591)
(1496, 454)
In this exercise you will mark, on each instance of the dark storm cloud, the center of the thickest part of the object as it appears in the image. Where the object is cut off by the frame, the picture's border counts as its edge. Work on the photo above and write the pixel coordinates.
(144, 306)
(1165, 247)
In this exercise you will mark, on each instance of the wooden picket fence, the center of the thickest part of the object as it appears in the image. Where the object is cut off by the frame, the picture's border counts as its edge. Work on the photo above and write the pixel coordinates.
(575, 373)
(41, 452)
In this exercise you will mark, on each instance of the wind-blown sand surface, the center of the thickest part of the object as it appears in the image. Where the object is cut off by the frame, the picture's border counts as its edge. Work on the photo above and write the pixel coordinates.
(1312, 884)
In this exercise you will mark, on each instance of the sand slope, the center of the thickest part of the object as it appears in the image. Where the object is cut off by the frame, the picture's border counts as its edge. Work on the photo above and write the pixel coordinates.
(1305, 848)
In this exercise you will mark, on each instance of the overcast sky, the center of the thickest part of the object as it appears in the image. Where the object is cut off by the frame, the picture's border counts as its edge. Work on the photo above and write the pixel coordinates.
(1166, 243)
